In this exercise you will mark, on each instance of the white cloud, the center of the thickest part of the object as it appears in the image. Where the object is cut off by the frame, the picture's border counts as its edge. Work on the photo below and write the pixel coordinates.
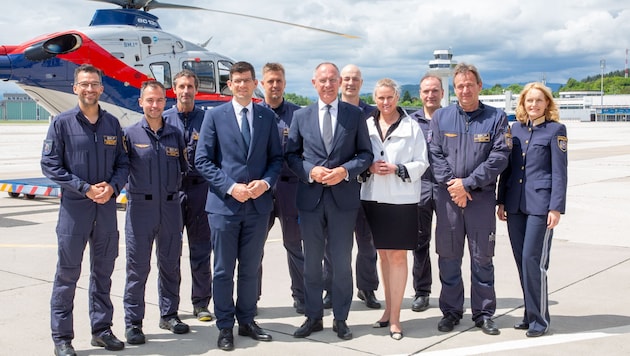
(509, 40)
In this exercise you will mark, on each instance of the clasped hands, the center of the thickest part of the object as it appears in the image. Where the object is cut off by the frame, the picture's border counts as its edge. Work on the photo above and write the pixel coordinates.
(100, 193)
(243, 192)
(458, 193)
(328, 176)
(381, 167)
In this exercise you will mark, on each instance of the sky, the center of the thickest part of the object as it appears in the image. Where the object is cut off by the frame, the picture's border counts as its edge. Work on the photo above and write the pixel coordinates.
(510, 41)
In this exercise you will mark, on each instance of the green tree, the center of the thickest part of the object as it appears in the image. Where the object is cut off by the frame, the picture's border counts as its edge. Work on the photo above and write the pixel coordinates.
(297, 99)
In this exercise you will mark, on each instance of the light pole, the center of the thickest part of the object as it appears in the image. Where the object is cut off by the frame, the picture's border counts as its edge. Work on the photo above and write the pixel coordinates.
(602, 65)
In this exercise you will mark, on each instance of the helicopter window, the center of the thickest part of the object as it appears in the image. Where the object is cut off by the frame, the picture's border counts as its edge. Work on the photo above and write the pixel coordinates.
(205, 73)
(162, 73)
(224, 76)
(146, 40)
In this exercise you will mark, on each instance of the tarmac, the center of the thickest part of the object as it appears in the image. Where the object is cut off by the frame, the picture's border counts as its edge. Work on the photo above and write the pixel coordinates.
(589, 276)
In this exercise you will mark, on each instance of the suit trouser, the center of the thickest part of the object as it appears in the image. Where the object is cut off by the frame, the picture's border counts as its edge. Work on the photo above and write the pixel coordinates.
(477, 224)
(365, 264)
(531, 244)
(235, 238)
(103, 242)
(192, 199)
(327, 227)
(422, 278)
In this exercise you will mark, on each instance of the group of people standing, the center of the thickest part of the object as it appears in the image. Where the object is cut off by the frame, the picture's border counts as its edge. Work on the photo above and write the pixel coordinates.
(333, 170)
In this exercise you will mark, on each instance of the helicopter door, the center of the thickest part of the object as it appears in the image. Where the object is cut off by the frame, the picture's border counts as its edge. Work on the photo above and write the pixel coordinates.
(205, 73)
(224, 76)
(161, 71)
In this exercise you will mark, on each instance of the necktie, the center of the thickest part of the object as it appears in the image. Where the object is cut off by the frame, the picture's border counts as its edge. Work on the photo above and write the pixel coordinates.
(247, 136)
(327, 133)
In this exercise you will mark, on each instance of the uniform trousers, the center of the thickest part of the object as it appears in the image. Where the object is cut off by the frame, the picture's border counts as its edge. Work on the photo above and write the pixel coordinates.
(241, 238)
(103, 240)
(477, 224)
(148, 221)
(422, 278)
(192, 198)
(531, 244)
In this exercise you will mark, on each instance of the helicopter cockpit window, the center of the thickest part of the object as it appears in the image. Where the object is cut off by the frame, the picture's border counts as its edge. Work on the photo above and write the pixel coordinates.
(224, 75)
(205, 73)
(161, 71)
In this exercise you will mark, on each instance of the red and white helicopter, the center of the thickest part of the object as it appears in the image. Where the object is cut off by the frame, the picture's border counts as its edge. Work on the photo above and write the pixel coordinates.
(130, 47)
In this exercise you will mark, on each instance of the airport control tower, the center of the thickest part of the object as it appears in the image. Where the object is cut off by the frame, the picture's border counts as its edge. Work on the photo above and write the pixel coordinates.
(442, 65)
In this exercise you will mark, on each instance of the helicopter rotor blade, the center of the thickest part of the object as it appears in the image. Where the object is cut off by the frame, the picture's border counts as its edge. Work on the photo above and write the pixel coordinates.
(154, 4)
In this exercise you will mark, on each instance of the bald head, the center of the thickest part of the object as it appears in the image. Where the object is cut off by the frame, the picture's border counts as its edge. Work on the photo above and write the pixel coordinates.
(351, 82)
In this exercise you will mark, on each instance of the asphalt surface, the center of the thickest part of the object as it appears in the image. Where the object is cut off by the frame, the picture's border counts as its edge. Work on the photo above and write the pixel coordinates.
(589, 276)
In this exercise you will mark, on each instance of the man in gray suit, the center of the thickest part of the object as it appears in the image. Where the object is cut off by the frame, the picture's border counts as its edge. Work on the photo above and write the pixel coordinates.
(328, 148)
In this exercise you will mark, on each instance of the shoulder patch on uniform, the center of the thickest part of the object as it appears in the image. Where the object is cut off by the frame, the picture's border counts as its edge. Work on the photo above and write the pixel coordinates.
(110, 140)
(563, 142)
(48, 146)
(508, 138)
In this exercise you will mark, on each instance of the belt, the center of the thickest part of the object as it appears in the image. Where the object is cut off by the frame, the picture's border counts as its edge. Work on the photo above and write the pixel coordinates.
(150, 197)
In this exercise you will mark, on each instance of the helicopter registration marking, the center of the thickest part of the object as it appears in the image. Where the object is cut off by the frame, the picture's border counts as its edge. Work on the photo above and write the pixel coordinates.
(128, 44)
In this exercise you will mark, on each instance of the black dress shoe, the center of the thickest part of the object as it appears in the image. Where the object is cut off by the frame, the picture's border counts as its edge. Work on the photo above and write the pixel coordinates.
(447, 323)
(107, 340)
(488, 327)
(134, 335)
(175, 325)
(254, 331)
(342, 329)
(299, 306)
(64, 349)
(521, 326)
(369, 298)
(327, 300)
(420, 303)
(534, 333)
(310, 325)
(226, 340)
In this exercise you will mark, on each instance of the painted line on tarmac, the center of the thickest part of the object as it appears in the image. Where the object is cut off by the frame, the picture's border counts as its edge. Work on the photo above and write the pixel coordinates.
(547, 340)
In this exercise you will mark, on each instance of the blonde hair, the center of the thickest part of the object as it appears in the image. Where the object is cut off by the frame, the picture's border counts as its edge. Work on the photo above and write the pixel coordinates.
(551, 111)
(387, 83)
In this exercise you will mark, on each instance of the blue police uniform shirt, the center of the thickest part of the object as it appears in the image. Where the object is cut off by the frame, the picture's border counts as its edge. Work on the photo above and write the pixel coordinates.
(535, 181)
(473, 146)
(157, 159)
(284, 115)
(428, 182)
(190, 125)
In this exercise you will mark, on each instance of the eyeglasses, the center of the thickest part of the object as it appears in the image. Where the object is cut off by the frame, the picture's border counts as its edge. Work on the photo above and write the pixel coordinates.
(85, 85)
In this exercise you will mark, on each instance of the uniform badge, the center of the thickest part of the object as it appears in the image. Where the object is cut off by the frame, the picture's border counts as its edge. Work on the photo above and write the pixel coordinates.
(172, 151)
(508, 138)
(450, 134)
(195, 135)
(125, 143)
(48, 145)
(110, 140)
(285, 132)
(429, 136)
(484, 137)
(563, 143)
(141, 145)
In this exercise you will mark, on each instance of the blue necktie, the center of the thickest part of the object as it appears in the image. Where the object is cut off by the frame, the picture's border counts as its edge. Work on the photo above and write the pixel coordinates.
(327, 134)
(247, 136)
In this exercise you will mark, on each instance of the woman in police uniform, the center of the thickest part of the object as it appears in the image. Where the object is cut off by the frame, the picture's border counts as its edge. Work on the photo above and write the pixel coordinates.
(532, 195)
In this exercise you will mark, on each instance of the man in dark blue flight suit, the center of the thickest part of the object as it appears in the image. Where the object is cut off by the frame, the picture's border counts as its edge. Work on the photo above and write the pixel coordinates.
(431, 94)
(285, 189)
(469, 144)
(192, 196)
(83, 153)
(157, 158)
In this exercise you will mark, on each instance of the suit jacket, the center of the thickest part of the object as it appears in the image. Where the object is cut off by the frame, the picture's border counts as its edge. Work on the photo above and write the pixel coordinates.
(223, 160)
(351, 149)
(535, 181)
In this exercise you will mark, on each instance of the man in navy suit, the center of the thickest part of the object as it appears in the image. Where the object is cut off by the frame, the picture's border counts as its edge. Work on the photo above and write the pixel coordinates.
(328, 148)
(240, 155)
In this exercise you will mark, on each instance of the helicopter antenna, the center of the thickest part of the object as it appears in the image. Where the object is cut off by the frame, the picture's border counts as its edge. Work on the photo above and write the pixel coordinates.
(205, 44)
(147, 5)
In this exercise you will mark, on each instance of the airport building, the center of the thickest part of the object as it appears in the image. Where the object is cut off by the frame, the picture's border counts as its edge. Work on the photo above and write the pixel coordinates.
(20, 107)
